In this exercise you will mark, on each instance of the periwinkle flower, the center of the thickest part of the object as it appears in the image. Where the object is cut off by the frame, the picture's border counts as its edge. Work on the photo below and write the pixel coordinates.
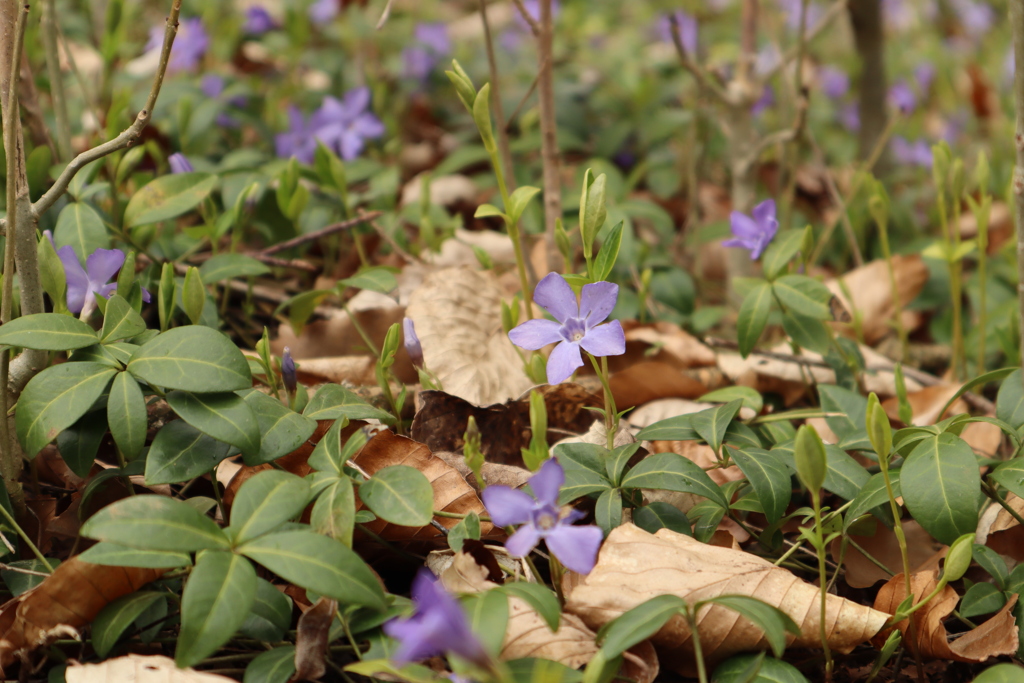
(430, 44)
(288, 373)
(687, 30)
(323, 11)
(412, 342)
(179, 163)
(902, 97)
(342, 125)
(835, 83)
(579, 325)
(754, 232)
(190, 44)
(917, 153)
(85, 283)
(439, 625)
(975, 17)
(258, 21)
(541, 519)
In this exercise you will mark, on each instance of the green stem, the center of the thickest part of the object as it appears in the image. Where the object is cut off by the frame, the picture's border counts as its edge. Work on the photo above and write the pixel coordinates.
(513, 233)
(982, 305)
(897, 311)
(611, 415)
(823, 580)
(698, 654)
(359, 328)
(28, 541)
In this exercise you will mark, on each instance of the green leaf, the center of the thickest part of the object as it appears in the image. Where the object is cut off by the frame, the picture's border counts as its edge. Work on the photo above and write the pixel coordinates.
(282, 430)
(753, 317)
(780, 252)
(981, 598)
(181, 452)
(874, 498)
(751, 398)
(329, 456)
(271, 614)
(192, 358)
(489, 211)
(773, 621)
(193, 295)
(660, 515)
(117, 555)
(807, 332)
(482, 117)
(375, 278)
(54, 399)
(737, 669)
(979, 381)
(332, 401)
(539, 597)
(120, 321)
(849, 416)
(224, 416)
(127, 415)
(488, 617)
(1001, 673)
(47, 332)
(1010, 475)
(272, 666)
(228, 266)
(673, 472)
(155, 523)
(1009, 400)
(265, 501)
(638, 624)
(803, 295)
(770, 479)
(317, 563)
(941, 485)
(678, 428)
(113, 619)
(167, 197)
(20, 582)
(711, 424)
(844, 477)
(334, 513)
(80, 226)
(608, 510)
(608, 254)
(399, 494)
(518, 201)
(79, 443)
(617, 460)
(217, 598)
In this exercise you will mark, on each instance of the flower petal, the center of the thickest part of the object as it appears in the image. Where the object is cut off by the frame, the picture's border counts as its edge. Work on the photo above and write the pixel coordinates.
(741, 242)
(764, 213)
(555, 295)
(597, 301)
(355, 101)
(605, 340)
(575, 546)
(547, 482)
(78, 281)
(563, 361)
(523, 541)
(536, 334)
(420, 637)
(102, 265)
(743, 226)
(506, 505)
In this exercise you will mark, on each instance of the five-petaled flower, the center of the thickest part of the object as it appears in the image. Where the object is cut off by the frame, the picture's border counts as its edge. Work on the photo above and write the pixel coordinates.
(578, 325)
(342, 125)
(85, 283)
(754, 233)
(575, 546)
(438, 626)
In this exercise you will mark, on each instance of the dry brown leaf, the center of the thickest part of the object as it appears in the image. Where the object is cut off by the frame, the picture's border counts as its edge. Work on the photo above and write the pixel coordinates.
(883, 546)
(65, 601)
(311, 639)
(648, 381)
(872, 296)
(634, 566)
(457, 313)
(452, 493)
(138, 669)
(1006, 535)
(669, 343)
(926, 404)
(995, 637)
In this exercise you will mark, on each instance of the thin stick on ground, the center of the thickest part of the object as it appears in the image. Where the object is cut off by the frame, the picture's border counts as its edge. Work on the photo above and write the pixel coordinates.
(322, 232)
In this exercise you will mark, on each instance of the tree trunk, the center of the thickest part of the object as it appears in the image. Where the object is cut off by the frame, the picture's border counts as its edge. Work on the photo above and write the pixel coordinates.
(869, 36)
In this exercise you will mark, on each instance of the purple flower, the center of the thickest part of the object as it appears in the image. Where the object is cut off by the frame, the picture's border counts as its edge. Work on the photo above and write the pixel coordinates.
(902, 97)
(575, 546)
(85, 283)
(412, 342)
(434, 37)
(179, 163)
(258, 21)
(791, 8)
(342, 125)
(687, 30)
(323, 11)
(578, 325)
(430, 45)
(918, 153)
(190, 44)
(924, 74)
(754, 233)
(438, 626)
(533, 9)
(835, 83)
(849, 116)
(975, 17)
(288, 374)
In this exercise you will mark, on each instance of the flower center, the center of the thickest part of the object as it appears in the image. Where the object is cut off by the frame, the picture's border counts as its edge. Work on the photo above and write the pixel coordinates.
(546, 521)
(574, 330)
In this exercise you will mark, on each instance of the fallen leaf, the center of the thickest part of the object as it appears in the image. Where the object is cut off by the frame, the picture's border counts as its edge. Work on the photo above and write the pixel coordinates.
(871, 293)
(883, 546)
(1000, 225)
(457, 313)
(634, 566)
(138, 669)
(995, 637)
(662, 342)
(649, 380)
(64, 602)
(663, 409)
(1006, 535)
(926, 404)
(311, 639)
(493, 474)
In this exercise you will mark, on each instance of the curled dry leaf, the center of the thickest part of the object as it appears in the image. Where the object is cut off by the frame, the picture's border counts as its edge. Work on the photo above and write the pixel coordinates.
(457, 313)
(311, 639)
(64, 602)
(869, 288)
(1005, 535)
(883, 546)
(634, 566)
(528, 635)
(995, 637)
(452, 493)
(138, 669)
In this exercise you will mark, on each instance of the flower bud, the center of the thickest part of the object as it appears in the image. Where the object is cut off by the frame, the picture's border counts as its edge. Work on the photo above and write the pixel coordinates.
(810, 459)
(412, 342)
(879, 430)
(288, 373)
(958, 559)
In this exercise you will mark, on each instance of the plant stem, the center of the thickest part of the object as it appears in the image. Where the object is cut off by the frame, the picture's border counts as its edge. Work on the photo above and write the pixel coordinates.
(982, 293)
(496, 105)
(611, 415)
(362, 333)
(28, 541)
(823, 580)
(897, 310)
(698, 654)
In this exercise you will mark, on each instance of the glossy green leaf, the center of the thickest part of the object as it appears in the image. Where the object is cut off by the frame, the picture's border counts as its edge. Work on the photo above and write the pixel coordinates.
(1009, 400)
(117, 555)
(229, 266)
(981, 598)
(265, 501)
(751, 398)
(800, 294)
(399, 494)
(113, 619)
(152, 522)
(272, 666)
(616, 460)
(608, 510)
(1010, 475)
(767, 670)
(271, 614)
(712, 423)
(638, 624)
(844, 477)
(317, 563)
(332, 401)
(217, 598)
(780, 252)
(678, 428)
(539, 597)
(375, 278)
(874, 498)
(193, 295)
(127, 414)
(488, 617)
(808, 333)
(774, 622)
(659, 515)
(519, 200)
(47, 332)
(223, 416)
(334, 513)
(329, 455)
(1001, 673)
(673, 472)
(847, 416)
(753, 317)
(979, 381)
(20, 582)
(609, 253)
(167, 197)
(79, 443)
(181, 452)
(282, 430)
(54, 399)
(120, 321)
(81, 227)
(941, 486)
(192, 358)
(769, 477)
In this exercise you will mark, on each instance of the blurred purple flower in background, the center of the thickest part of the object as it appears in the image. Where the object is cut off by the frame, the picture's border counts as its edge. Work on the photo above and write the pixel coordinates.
(439, 625)
(835, 83)
(575, 546)
(179, 163)
(323, 11)
(85, 283)
(212, 86)
(917, 153)
(766, 101)
(902, 97)
(512, 39)
(578, 325)
(791, 8)
(924, 74)
(849, 117)
(189, 47)
(430, 44)
(258, 21)
(754, 233)
(342, 125)
(975, 17)
(687, 30)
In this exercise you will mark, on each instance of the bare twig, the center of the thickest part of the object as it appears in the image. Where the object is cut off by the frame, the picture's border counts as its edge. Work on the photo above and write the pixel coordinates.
(522, 102)
(384, 15)
(704, 80)
(837, 199)
(793, 53)
(527, 17)
(548, 134)
(322, 232)
(1017, 21)
(496, 106)
(297, 264)
(791, 152)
